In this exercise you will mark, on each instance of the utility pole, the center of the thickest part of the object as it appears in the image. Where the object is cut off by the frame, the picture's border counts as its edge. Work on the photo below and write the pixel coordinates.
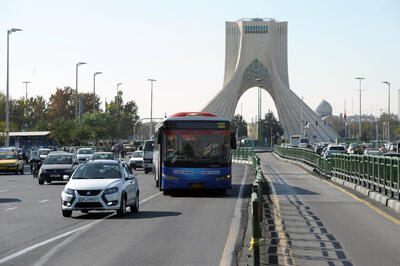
(151, 107)
(26, 88)
(94, 89)
(388, 123)
(77, 102)
(359, 118)
(301, 116)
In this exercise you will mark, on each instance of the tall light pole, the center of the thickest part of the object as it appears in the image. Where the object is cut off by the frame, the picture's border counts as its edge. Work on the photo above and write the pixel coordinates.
(301, 116)
(151, 106)
(388, 123)
(259, 111)
(359, 118)
(26, 88)
(8, 96)
(94, 89)
(76, 92)
(116, 101)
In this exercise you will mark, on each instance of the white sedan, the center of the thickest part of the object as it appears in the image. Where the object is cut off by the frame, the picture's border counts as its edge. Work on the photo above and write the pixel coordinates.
(101, 185)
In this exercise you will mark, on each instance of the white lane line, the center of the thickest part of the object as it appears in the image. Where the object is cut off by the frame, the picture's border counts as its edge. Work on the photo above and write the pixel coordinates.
(234, 229)
(45, 200)
(87, 226)
(4, 190)
(10, 209)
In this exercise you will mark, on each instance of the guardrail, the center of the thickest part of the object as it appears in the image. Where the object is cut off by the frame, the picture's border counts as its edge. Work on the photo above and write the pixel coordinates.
(377, 173)
(256, 210)
(242, 153)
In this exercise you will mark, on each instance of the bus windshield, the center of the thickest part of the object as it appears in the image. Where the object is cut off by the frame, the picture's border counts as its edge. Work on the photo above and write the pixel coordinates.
(197, 148)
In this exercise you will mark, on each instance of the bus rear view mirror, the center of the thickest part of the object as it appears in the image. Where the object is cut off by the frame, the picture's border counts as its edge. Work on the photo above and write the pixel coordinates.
(233, 141)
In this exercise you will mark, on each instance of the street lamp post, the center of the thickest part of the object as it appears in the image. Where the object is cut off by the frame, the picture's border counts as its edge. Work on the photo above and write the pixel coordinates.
(76, 91)
(388, 123)
(151, 106)
(94, 89)
(26, 88)
(301, 116)
(8, 95)
(359, 118)
(116, 101)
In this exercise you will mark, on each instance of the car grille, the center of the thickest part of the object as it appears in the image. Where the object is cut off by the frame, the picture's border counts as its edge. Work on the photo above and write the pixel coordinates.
(147, 160)
(55, 171)
(88, 205)
(91, 192)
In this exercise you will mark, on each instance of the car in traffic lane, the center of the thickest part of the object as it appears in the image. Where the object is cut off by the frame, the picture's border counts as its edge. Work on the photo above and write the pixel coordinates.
(101, 185)
(11, 162)
(56, 167)
(136, 160)
(84, 154)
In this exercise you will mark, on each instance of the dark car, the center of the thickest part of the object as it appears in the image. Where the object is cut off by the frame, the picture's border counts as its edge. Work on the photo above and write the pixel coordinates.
(103, 156)
(318, 149)
(56, 166)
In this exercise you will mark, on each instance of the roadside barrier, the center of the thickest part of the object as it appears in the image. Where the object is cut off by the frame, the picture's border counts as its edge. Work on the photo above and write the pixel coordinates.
(377, 173)
(256, 210)
(242, 153)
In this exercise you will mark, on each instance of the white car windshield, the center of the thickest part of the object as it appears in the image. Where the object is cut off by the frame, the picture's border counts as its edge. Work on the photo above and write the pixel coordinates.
(85, 152)
(97, 171)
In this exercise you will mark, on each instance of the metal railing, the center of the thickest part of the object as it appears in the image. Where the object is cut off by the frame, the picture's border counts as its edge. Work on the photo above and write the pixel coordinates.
(256, 210)
(242, 153)
(378, 173)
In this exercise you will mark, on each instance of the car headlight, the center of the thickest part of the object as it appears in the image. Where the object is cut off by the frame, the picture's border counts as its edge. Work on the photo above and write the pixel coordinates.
(170, 177)
(69, 191)
(111, 190)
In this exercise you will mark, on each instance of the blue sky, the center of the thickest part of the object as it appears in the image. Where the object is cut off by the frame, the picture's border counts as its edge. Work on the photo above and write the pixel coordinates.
(182, 43)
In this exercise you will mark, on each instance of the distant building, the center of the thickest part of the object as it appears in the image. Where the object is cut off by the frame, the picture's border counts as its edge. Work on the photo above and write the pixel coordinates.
(324, 109)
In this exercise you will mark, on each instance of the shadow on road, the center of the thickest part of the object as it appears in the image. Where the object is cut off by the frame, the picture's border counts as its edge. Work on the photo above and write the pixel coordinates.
(8, 200)
(286, 189)
(147, 215)
(211, 193)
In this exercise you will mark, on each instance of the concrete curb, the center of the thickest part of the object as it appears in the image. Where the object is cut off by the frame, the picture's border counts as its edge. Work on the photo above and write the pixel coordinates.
(376, 196)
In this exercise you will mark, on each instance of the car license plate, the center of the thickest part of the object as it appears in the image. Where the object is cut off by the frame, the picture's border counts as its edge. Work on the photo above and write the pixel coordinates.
(197, 185)
(87, 199)
(55, 175)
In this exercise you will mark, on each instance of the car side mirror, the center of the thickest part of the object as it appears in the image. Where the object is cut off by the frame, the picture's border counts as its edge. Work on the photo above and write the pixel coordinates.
(131, 177)
(233, 141)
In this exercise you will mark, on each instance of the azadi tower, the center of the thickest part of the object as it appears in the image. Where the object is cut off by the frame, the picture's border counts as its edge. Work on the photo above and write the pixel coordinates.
(256, 56)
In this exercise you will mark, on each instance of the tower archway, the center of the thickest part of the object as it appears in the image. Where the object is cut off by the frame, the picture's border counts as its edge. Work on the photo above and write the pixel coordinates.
(256, 56)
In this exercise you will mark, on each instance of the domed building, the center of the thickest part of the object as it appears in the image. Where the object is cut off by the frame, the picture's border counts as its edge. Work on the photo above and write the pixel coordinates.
(324, 109)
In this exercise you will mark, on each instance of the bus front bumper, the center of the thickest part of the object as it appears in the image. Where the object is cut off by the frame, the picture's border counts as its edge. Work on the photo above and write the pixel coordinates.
(199, 183)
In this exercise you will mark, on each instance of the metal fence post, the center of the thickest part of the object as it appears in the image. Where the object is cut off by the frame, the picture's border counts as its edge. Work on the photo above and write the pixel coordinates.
(255, 229)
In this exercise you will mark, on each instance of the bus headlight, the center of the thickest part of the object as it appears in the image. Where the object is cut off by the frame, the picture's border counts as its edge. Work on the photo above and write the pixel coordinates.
(223, 178)
(170, 177)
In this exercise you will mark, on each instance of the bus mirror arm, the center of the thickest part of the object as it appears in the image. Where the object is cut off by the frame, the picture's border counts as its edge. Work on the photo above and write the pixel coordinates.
(233, 141)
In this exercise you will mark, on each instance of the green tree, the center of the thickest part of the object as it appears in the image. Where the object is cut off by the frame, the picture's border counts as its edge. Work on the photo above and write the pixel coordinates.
(270, 124)
(63, 131)
(239, 125)
(62, 104)
(101, 125)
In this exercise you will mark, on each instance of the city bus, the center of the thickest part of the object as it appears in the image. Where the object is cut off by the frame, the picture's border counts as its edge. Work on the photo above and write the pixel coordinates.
(193, 151)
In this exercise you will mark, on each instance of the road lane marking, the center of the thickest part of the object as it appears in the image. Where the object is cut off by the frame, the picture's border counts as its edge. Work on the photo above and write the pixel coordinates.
(45, 200)
(10, 209)
(284, 246)
(4, 190)
(384, 214)
(82, 228)
(233, 234)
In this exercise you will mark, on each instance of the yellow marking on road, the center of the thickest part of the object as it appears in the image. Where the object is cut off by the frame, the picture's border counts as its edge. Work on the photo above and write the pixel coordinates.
(384, 214)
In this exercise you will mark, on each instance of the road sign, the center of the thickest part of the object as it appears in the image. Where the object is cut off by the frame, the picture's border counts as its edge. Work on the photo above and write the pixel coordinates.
(314, 137)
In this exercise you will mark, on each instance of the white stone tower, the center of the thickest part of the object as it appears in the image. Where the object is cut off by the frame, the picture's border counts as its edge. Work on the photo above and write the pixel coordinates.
(256, 55)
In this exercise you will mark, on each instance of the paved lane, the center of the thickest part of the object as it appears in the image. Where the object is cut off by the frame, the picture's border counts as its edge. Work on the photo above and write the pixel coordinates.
(181, 229)
(322, 225)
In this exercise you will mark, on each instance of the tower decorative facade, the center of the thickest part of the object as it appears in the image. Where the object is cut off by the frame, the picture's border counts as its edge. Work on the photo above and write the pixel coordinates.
(256, 56)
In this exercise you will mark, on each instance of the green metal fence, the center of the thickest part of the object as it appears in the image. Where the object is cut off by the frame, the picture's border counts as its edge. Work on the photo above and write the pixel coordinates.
(378, 173)
(242, 153)
(256, 210)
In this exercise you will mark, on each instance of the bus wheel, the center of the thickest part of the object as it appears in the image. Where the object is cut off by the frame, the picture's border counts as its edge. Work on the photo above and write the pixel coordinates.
(166, 192)
(146, 171)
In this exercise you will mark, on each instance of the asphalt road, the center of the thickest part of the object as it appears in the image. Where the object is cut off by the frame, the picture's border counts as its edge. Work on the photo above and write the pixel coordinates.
(320, 224)
(182, 229)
